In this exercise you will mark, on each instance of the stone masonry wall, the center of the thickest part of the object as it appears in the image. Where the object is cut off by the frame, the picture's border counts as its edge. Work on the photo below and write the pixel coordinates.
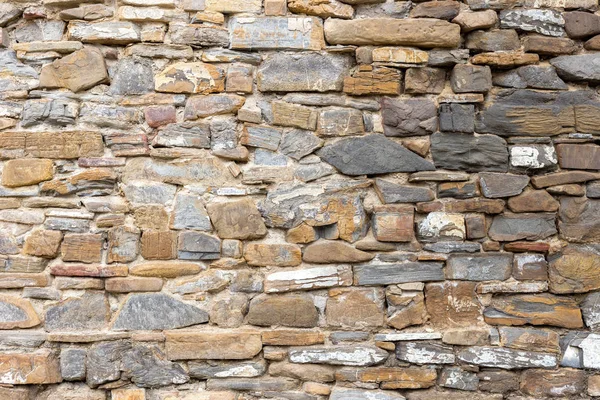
(299, 200)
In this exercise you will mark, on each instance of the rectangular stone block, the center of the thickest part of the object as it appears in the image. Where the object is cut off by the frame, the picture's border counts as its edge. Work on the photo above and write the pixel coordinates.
(276, 33)
(215, 345)
(390, 274)
(309, 278)
(41, 367)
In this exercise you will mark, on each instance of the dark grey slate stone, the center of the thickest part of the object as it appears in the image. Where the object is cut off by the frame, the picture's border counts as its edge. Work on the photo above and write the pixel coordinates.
(510, 227)
(103, 362)
(469, 153)
(72, 364)
(297, 143)
(408, 117)
(390, 192)
(502, 357)
(496, 40)
(593, 190)
(495, 185)
(539, 77)
(198, 246)
(471, 79)
(89, 312)
(149, 311)
(132, 75)
(479, 267)
(582, 67)
(148, 367)
(455, 117)
(371, 155)
(447, 58)
(390, 274)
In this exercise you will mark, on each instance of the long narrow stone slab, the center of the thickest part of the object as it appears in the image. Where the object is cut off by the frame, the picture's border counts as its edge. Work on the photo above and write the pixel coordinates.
(390, 274)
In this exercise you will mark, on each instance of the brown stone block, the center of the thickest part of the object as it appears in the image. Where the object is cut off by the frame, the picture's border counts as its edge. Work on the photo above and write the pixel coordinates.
(212, 345)
(97, 271)
(40, 367)
(85, 248)
(159, 245)
(292, 337)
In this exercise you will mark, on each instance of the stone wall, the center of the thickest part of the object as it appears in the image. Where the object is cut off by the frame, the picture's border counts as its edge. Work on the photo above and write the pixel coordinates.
(301, 200)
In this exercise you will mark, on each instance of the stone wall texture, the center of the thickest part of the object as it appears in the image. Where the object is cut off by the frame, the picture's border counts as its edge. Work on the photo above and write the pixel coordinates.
(299, 199)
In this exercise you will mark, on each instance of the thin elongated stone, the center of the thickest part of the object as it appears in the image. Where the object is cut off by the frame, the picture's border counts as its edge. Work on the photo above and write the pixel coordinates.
(500, 357)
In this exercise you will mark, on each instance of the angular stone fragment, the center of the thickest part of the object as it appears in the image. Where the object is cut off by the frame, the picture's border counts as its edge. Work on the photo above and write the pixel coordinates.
(469, 153)
(40, 367)
(545, 22)
(80, 70)
(458, 378)
(195, 77)
(289, 310)
(533, 157)
(340, 122)
(150, 311)
(198, 246)
(297, 143)
(72, 364)
(386, 31)
(351, 356)
(543, 309)
(495, 185)
(390, 192)
(309, 278)
(501, 357)
(471, 79)
(212, 345)
(52, 111)
(108, 32)
(189, 213)
(372, 154)
(529, 266)
(532, 201)
(17, 313)
(89, 312)
(237, 220)
(313, 72)
(408, 117)
(563, 178)
(89, 12)
(388, 274)
(393, 224)
(510, 227)
(444, 9)
(276, 33)
(123, 244)
(442, 226)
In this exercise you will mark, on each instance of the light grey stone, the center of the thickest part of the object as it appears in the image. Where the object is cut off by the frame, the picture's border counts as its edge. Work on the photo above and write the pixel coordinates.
(343, 393)
(409, 117)
(40, 30)
(132, 75)
(244, 369)
(148, 367)
(545, 22)
(340, 355)
(582, 67)
(89, 312)
(425, 353)
(189, 213)
(146, 192)
(479, 267)
(72, 364)
(186, 134)
(502, 357)
(390, 274)
(298, 143)
(458, 378)
(198, 246)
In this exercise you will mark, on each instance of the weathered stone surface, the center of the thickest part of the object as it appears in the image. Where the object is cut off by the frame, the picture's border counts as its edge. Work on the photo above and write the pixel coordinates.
(458, 378)
(40, 367)
(309, 278)
(575, 156)
(384, 31)
(479, 267)
(469, 21)
(330, 251)
(342, 393)
(545, 22)
(17, 313)
(156, 311)
(425, 353)
(215, 345)
(72, 364)
(562, 382)
(371, 155)
(452, 304)
(500, 357)
(408, 117)
(89, 312)
(469, 153)
(387, 274)
(369, 80)
(399, 56)
(282, 255)
(574, 271)
(390, 192)
(350, 355)
(196, 77)
(340, 122)
(532, 201)
(198, 35)
(354, 308)
(500, 40)
(530, 339)
(470, 78)
(579, 24)
(16, 173)
(442, 226)
(577, 68)
(529, 266)
(204, 106)
(457, 118)
(494, 185)
(511, 227)
(69, 71)
(288, 310)
(314, 72)
(281, 33)
(543, 309)
(104, 32)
